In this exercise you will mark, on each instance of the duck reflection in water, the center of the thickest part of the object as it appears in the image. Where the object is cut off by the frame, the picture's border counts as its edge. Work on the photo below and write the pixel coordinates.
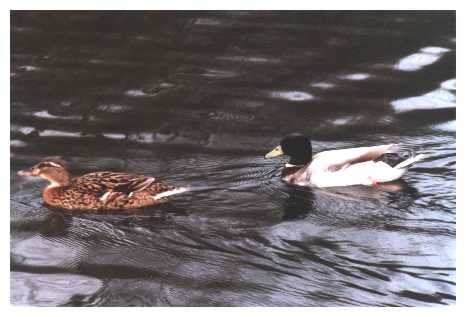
(55, 224)
(299, 203)
(386, 193)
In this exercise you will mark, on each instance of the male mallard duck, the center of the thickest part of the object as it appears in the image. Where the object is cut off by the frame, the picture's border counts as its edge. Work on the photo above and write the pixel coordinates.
(99, 190)
(354, 166)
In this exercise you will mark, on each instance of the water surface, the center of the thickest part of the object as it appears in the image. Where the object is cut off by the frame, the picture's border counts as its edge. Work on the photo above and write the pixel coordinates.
(197, 98)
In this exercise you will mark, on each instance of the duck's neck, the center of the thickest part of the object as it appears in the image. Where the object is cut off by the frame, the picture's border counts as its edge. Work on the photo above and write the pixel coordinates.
(296, 161)
(290, 170)
(58, 183)
(57, 180)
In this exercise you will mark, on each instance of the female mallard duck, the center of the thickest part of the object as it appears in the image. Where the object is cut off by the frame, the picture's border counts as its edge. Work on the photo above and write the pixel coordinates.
(99, 190)
(354, 166)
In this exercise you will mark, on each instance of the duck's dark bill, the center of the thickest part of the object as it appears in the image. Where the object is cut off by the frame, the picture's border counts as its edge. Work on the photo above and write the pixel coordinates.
(275, 152)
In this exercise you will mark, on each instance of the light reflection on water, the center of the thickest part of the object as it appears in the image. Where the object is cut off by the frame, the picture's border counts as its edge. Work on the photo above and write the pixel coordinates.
(437, 99)
(292, 95)
(357, 76)
(197, 99)
(426, 56)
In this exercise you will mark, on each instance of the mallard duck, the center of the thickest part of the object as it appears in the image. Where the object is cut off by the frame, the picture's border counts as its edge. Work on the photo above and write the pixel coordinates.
(99, 190)
(345, 167)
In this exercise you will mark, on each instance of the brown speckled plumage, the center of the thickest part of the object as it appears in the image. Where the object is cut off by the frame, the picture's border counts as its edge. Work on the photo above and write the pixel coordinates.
(96, 191)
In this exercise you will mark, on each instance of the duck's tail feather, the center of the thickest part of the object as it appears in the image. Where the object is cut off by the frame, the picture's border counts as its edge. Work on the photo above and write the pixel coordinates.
(399, 156)
(174, 191)
(409, 162)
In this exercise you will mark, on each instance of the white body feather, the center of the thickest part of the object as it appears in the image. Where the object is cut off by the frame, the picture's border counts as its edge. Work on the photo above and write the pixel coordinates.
(347, 167)
(364, 173)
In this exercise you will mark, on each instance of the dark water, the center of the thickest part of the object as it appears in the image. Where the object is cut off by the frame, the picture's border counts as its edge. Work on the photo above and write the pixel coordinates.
(197, 98)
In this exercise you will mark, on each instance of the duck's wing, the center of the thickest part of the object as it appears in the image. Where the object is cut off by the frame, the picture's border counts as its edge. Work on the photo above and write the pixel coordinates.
(335, 160)
(110, 185)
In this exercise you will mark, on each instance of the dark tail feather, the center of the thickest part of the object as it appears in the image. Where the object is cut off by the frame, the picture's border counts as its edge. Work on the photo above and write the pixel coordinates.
(396, 154)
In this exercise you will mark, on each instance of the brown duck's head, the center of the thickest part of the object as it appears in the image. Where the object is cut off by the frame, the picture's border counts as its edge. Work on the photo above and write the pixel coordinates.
(54, 169)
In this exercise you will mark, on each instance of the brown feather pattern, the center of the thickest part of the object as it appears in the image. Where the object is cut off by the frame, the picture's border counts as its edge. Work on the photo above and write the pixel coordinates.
(123, 191)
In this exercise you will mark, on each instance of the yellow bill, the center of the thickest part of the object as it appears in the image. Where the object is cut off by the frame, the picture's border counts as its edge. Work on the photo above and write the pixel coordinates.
(275, 152)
